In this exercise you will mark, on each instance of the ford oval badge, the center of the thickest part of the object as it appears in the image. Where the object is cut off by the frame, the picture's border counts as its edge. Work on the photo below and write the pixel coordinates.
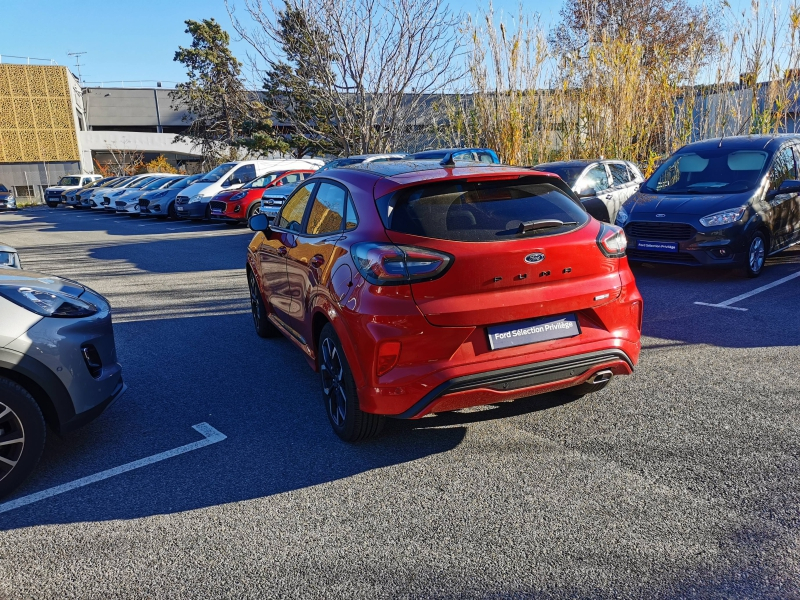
(535, 257)
(659, 215)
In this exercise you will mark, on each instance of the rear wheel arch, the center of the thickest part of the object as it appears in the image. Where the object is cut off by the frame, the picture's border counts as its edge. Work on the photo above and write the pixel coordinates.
(318, 322)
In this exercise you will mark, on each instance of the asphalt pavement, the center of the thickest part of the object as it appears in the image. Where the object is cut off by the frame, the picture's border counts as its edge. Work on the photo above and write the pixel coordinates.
(680, 481)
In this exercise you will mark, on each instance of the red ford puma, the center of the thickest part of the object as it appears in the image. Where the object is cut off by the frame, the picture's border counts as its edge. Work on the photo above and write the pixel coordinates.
(426, 286)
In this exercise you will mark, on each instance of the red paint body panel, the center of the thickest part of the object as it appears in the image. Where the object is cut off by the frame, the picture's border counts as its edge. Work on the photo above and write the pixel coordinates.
(441, 324)
(238, 210)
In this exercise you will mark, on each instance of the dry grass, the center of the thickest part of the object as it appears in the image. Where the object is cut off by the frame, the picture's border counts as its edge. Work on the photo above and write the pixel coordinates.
(533, 104)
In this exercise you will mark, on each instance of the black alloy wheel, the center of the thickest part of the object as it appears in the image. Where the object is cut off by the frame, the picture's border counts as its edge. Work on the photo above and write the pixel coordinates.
(349, 422)
(254, 209)
(264, 328)
(756, 254)
(22, 434)
(171, 213)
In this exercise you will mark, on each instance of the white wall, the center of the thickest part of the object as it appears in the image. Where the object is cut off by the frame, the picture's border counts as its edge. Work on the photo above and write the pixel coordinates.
(130, 142)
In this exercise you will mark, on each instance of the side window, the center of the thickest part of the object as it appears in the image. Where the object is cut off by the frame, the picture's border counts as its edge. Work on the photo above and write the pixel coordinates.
(595, 180)
(352, 216)
(783, 168)
(293, 178)
(291, 216)
(327, 212)
(619, 173)
(243, 174)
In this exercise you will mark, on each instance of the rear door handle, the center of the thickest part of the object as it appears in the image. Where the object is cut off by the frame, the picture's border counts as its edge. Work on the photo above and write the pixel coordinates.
(282, 251)
(317, 260)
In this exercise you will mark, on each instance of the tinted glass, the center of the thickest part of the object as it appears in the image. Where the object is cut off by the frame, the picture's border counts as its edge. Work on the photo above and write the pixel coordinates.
(291, 216)
(783, 169)
(182, 183)
(352, 217)
(568, 174)
(156, 183)
(3, 188)
(619, 173)
(595, 180)
(214, 175)
(293, 178)
(245, 173)
(69, 181)
(263, 181)
(479, 212)
(708, 172)
(327, 212)
(8, 259)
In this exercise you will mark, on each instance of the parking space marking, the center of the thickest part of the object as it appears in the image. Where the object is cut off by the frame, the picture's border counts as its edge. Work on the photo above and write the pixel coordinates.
(210, 436)
(763, 288)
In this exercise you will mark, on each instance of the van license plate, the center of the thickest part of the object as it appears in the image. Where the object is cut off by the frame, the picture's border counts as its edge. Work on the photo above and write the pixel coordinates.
(657, 246)
(522, 333)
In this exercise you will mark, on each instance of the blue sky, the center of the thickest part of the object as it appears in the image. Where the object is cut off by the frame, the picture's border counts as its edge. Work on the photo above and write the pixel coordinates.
(133, 40)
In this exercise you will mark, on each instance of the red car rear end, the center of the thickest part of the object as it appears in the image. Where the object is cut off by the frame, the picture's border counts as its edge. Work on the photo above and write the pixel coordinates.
(440, 288)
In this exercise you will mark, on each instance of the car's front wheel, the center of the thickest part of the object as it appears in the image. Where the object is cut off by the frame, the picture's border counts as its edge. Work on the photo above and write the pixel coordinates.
(349, 422)
(22, 434)
(756, 255)
(254, 209)
(53, 204)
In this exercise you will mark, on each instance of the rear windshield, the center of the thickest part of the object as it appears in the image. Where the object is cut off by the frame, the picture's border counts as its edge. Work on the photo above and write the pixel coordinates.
(480, 211)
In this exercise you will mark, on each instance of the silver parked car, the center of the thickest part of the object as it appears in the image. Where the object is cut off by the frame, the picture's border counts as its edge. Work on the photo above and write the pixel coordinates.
(603, 185)
(9, 258)
(58, 365)
(161, 203)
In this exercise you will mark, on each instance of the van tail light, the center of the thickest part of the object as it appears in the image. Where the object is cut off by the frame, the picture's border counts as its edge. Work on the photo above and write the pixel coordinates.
(612, 241)
(390, 264)
(388, 355)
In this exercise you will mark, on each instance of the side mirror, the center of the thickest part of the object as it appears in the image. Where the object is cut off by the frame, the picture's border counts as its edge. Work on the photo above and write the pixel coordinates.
(258, 222)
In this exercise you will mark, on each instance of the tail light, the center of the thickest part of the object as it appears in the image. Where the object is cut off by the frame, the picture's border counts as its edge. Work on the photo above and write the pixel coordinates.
(389, 264)
(388, 355)
(612, 241)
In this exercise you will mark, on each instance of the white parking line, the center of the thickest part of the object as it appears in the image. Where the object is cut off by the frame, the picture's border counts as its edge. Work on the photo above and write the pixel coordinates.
(210, 436)
(763, 288)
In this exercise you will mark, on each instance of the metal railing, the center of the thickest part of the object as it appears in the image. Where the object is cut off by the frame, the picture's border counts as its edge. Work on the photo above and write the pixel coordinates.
(16, 60)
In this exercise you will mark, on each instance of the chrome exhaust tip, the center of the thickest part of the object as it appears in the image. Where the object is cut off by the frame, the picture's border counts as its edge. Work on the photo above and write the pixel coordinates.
(601, 377)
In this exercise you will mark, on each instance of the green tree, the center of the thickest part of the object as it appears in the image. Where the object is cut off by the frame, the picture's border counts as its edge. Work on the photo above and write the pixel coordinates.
(224, 114)
(292, 90)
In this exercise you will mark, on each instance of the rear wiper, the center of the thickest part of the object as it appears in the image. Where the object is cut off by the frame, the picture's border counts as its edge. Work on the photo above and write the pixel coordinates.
(542, 224)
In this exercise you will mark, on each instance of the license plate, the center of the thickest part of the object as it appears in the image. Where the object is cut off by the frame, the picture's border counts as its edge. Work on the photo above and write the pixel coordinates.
(180, 208)
(217, 211)
(657, 246)
(522, 333)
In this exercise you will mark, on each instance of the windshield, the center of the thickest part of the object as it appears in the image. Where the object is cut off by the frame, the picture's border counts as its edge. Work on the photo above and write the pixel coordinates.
(69, 181)
(173, 183)
(216, 174)
(569, 174)
(709, 172)
(263, 181)
(3, 188)
(157, 182)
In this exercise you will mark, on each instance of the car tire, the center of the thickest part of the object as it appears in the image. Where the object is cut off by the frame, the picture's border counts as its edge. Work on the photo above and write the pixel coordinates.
(207, 216)
(264, 327)
(53, 204)
(171, 212)
(339, 394)
(756, 254)
(253, 210)
(20, 416)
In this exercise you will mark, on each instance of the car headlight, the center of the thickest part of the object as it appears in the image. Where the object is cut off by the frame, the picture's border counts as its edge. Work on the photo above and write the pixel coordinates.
(47, 303)
(195, 198)
(622, 217)
(239, 196)
(726, 217)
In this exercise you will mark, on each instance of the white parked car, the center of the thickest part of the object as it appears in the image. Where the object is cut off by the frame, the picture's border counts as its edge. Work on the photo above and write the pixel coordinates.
(9, 258)
(128, 202)
(107, 198)
(52, 195)
(192, 202)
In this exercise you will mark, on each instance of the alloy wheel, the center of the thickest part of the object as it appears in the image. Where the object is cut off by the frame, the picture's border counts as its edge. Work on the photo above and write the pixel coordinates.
(332, 371)
(757, 254)
(12, 440)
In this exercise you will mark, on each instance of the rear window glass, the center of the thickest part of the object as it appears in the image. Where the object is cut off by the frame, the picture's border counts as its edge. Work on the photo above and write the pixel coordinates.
(480, 212)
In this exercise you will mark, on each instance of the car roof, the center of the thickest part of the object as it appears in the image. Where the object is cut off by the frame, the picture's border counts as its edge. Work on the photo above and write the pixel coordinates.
(4, 248)
(442, 152)
(744, 142)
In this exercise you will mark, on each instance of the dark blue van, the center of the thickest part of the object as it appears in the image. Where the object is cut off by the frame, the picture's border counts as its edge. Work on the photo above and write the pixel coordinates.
(727, 202)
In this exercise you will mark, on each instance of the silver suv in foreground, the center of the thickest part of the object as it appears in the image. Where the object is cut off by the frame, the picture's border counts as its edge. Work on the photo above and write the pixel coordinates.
(58, 364)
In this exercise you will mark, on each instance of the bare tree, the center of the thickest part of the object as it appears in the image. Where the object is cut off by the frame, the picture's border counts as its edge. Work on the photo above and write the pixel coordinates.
(374, 64)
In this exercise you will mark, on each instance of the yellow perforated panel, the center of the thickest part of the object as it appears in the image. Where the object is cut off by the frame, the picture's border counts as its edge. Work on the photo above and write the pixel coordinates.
(36, 117)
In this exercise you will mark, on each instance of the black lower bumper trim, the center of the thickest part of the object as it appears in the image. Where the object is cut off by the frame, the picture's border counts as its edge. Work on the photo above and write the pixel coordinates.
(514, 378)
(87, 416)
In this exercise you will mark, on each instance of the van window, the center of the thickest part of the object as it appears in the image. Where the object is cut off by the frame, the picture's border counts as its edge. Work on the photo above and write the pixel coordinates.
(783, 169)
(479, 212)
(243, 174)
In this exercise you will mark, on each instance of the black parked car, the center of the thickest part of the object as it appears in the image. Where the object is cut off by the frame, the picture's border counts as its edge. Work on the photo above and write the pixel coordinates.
(603, 185)
(722, 202)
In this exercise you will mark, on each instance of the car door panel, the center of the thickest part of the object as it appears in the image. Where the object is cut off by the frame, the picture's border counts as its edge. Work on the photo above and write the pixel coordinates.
(593, 188)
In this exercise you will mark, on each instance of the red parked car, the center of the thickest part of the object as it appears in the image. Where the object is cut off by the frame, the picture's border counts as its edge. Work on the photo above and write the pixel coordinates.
(236, 206)
(420, 287)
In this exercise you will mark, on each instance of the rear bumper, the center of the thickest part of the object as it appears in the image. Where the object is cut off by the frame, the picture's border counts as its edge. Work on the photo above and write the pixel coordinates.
(518, 382)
